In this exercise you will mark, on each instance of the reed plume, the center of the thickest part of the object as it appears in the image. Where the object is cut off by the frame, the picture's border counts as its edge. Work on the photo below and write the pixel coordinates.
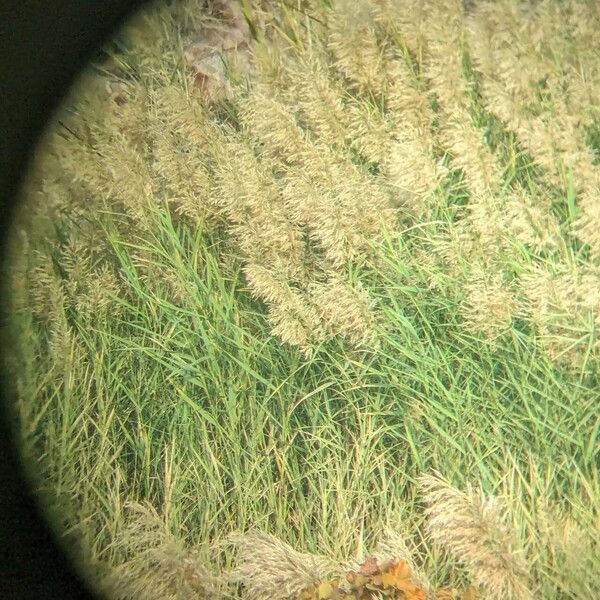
(473, 528)
(571, 549)
(565, 306)
(270, 569)
(350, 26)
(490, 303)
(158, 565)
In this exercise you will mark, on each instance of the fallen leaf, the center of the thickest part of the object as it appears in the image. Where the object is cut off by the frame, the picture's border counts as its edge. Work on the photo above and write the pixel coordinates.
(356, 579)
(447, 594)
(325, 590)
(209, 72)
(470, 594)
(369, 567)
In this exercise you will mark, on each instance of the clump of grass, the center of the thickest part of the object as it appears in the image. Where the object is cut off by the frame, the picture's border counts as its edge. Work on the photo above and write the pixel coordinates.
(316, 286)
(157, 565)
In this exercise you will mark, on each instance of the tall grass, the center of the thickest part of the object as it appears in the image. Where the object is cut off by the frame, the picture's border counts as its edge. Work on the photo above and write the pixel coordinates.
(276, 308)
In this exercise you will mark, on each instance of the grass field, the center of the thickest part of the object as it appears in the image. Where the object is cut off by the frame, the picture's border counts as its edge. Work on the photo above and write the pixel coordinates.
(273, 285)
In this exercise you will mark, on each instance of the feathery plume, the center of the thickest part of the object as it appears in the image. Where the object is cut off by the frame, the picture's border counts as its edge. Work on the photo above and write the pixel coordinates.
(443, 55)
(470, 153)
(369, 130)
(320, 99)
(358, 54)
(290, 311)
(270, 569)
(412, 173)
(407, 100)
(573, 551)
(490, 303)
(159, 566)
(529, 220)
(405, 20)
(345, 310)
(473, 529)
(565, 306)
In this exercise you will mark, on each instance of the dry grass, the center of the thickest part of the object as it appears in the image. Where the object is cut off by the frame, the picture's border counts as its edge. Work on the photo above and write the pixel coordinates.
(270, 569)
(158, 565)
(475, 529)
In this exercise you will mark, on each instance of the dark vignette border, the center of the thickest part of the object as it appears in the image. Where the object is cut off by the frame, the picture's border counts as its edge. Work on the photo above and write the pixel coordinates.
(43, 46)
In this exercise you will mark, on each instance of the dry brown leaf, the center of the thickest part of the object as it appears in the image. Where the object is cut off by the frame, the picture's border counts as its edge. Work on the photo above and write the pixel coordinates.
(209, 71)
(453, 594)
(447, 594)
(470, 594)
(387, 579)
(369, 567)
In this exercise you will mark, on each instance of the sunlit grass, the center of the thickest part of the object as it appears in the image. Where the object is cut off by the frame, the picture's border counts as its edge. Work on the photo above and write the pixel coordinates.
(159, 379)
